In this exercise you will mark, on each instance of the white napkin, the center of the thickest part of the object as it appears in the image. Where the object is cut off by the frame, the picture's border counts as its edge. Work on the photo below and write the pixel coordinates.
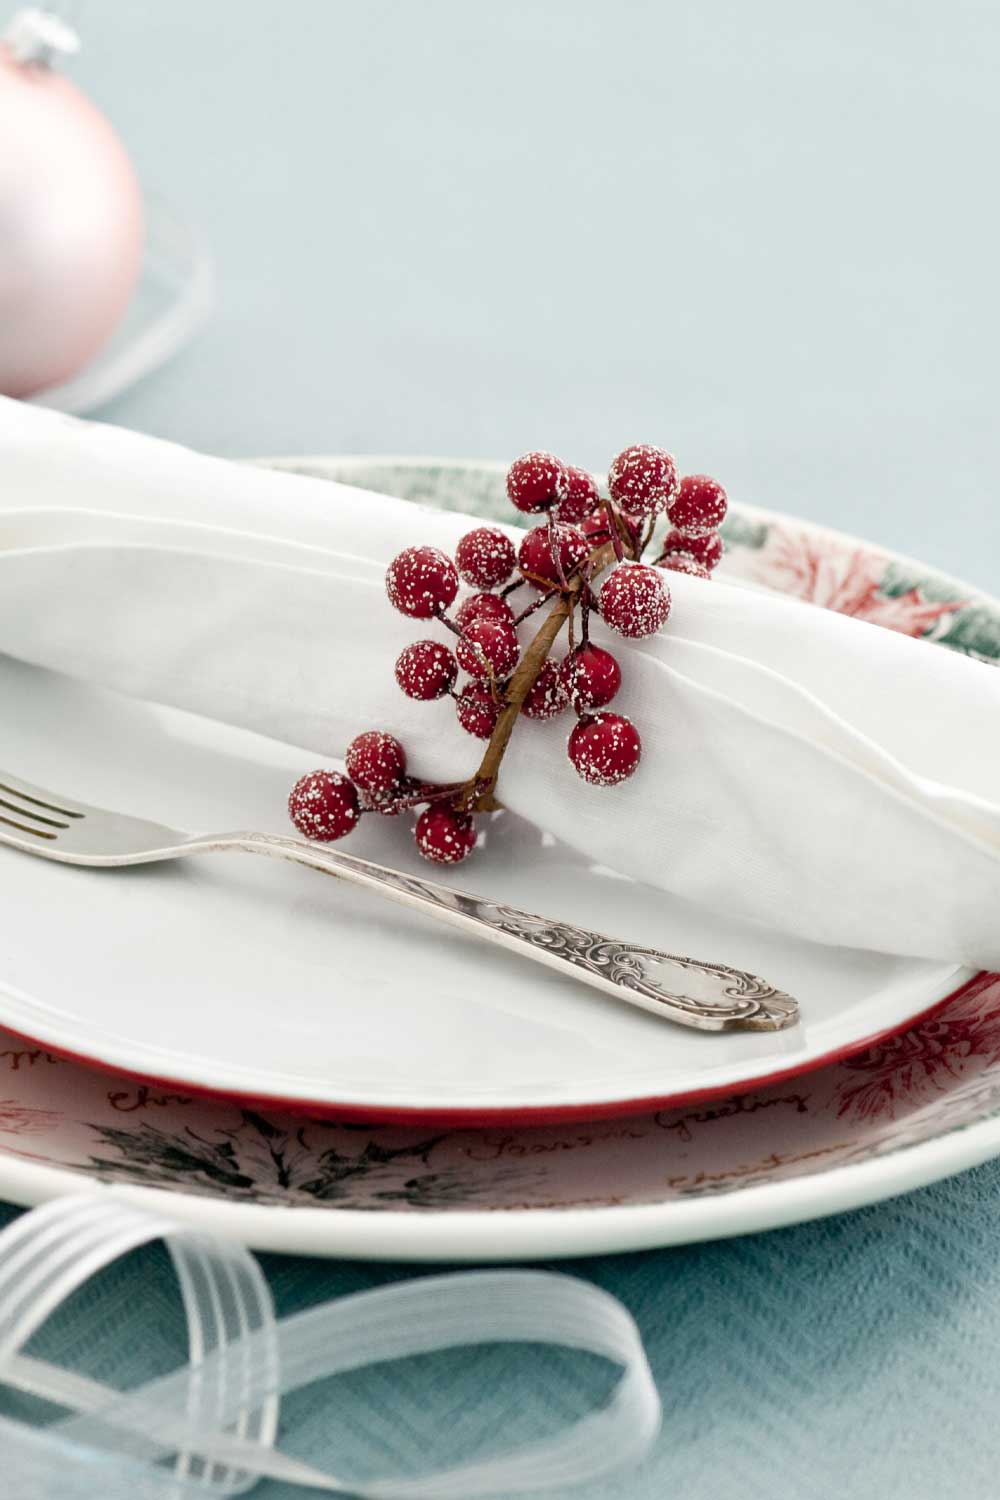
(819, 774)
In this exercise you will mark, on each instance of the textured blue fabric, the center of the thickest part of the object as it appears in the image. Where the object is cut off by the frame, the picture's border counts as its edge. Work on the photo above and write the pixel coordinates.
(854, 1356)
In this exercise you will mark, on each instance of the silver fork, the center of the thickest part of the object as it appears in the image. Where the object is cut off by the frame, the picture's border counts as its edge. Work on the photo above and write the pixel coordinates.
(693, 992)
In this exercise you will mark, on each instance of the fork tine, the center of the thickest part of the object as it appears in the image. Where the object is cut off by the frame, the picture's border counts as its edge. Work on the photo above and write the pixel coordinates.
(33, 796)
(77, 833)
(23, 828)
(26, 803)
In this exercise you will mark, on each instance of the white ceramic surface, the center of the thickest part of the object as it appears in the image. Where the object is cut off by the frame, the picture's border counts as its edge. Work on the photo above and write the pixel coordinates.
(893, 1117)
(258, 979)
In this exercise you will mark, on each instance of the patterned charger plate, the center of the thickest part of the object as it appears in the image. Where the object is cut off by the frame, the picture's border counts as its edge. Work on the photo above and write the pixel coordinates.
(885, 1119)
(906, 1112)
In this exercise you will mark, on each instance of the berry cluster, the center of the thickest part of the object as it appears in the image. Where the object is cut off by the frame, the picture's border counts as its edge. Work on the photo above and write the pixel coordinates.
(579, 535)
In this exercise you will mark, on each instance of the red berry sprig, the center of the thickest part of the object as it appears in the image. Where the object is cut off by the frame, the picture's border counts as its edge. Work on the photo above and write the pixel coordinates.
(579, 536)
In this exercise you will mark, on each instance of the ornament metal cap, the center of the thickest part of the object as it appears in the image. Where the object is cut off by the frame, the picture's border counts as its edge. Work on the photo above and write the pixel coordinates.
(38, 38)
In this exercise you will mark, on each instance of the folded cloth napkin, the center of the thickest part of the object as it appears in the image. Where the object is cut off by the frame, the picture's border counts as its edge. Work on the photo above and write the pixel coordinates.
(818, 774)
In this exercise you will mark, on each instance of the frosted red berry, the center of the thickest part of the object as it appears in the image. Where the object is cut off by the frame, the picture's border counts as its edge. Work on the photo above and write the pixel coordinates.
(421, 582)
(642, 479)
(699, 506)
(389, 804)
(591, 677)
(707, 549)
(488, 646)
(535, 554)
(485, 607)
(547, 696)
(596, 528)
(580, 498)
(375, 761)
(605, 748)
(635, 600)
(426, 670)
(444, 835)
(536, 480)
(324, 805)
(683, 562)
(477, 712)
(485, 557)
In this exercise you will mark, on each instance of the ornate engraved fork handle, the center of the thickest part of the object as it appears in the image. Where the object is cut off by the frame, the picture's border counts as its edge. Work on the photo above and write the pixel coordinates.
(693, 992)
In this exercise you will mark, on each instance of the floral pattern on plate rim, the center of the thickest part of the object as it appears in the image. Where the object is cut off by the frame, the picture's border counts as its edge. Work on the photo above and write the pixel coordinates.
(942, 1074)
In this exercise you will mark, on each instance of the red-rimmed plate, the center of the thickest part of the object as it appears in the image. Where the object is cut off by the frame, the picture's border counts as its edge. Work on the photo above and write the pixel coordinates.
(259, 981)
(890, 1118)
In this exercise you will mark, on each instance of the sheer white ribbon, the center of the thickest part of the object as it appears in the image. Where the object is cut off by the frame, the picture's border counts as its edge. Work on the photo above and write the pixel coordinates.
(217, 1417)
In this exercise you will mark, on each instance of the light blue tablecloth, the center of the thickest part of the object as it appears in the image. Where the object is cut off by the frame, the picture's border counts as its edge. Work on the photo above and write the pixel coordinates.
(765, 235)
(853, 1357)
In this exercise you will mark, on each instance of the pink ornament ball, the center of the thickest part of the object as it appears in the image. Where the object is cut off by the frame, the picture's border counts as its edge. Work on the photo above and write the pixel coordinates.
(72, 228)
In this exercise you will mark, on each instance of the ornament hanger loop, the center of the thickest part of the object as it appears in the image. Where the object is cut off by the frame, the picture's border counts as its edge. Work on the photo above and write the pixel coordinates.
(38, 38)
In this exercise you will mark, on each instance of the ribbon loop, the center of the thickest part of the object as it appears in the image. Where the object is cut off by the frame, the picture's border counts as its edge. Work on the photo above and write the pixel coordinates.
(217, 1417)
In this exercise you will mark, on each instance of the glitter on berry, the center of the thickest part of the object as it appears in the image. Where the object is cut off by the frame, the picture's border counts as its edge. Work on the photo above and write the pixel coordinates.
(324, 805)
(444, 836)
(547, 696)
(536, 480)
(707, 549)
(426, 670)
(485, 557)
(683, 562)
(375, 761)
(488, 646)
(591, 677)
(635, 600)
(642, 479)
(534, 556)
(476, 710)
(483, 606)
(605, 749)
(580, 498)
(700, 505)
(421, 582)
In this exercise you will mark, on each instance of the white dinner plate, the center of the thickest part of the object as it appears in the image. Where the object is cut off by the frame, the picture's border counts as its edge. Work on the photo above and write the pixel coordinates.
(913, 1109)
(260, 981)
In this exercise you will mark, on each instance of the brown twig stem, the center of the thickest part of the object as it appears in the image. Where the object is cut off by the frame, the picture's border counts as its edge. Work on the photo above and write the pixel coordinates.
(477, 795)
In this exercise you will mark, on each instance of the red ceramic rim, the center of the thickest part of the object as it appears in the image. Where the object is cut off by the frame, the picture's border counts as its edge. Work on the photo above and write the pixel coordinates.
(548, 1114)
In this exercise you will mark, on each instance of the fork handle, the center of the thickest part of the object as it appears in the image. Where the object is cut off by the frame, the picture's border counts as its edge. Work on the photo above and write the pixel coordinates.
(693, 992)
